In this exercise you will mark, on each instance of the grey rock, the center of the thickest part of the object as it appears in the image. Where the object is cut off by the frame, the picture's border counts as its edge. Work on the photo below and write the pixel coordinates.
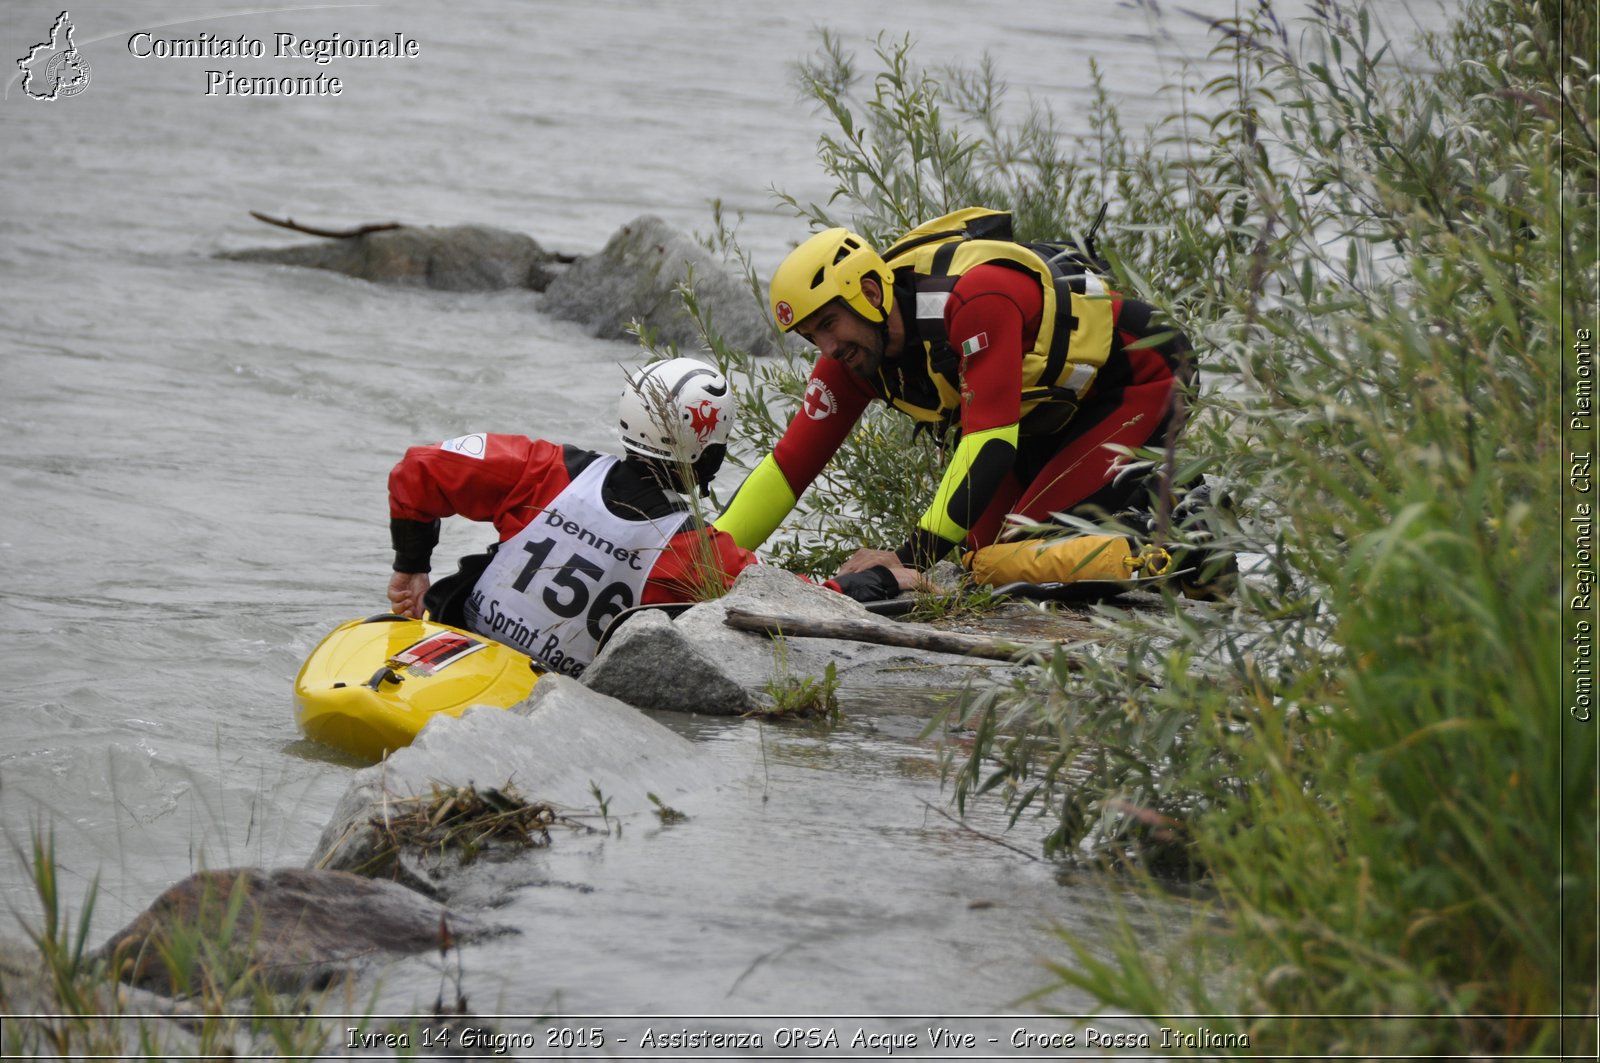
(457, 258)
(635, 276)
(947, 576)
(299, 928)
(698, 664)
(558, 746)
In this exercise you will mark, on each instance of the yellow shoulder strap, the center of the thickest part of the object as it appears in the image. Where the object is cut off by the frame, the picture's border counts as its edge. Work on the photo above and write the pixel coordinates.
(945, 227)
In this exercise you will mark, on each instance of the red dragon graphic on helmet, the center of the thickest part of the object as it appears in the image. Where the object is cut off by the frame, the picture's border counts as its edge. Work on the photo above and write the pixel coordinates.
(703, 419)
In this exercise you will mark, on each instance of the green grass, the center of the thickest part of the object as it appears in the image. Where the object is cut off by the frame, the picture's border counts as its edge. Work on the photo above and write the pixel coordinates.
(790, 696)
(76, 1001)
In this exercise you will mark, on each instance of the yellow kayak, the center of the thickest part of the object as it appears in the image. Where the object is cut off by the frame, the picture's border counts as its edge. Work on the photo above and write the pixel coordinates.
(372, 684)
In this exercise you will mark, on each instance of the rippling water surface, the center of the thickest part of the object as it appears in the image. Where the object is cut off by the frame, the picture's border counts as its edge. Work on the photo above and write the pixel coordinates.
(193, 455)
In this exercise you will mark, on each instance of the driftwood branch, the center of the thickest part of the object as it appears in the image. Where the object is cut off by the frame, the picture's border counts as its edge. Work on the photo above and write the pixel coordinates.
(332, 234)
(911, 636)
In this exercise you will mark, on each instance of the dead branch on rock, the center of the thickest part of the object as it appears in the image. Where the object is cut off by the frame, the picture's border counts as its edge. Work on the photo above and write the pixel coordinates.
(332, 234)
(911, 636)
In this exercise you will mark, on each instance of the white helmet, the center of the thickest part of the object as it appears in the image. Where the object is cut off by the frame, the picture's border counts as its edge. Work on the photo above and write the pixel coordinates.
(678, 410)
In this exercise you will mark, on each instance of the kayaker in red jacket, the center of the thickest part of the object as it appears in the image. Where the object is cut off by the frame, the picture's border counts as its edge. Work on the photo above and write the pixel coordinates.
(583, 535)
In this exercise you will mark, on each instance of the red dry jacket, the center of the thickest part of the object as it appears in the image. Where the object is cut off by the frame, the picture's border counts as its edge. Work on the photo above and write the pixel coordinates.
(507, 480)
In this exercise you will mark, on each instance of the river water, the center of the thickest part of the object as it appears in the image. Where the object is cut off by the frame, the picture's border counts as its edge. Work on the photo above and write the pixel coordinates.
(193, 459)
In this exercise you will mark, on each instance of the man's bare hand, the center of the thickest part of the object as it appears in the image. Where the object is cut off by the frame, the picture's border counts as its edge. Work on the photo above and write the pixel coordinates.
(405, 593)
(910, 579)
(866, 558)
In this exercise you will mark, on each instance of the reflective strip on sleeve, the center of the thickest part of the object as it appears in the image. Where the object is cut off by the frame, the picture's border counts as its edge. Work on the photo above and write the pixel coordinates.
(938, 519)
(758, 506)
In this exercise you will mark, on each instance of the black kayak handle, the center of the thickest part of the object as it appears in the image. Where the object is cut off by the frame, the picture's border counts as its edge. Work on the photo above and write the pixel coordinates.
(383, 675)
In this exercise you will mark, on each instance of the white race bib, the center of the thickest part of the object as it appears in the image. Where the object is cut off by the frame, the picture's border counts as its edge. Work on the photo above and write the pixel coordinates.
(552, 588)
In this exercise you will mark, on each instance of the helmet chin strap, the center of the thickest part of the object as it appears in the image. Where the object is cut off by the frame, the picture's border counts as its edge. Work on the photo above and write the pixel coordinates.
(882, 328)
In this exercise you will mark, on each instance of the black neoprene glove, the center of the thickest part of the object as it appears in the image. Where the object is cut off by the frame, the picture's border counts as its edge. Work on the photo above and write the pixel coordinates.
(873, 585)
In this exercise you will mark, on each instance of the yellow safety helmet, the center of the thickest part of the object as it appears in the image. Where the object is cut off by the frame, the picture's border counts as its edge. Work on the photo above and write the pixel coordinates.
(829, 266)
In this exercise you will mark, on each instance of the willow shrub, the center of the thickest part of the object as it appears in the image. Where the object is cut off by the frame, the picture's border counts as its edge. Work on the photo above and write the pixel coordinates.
(1362, 751)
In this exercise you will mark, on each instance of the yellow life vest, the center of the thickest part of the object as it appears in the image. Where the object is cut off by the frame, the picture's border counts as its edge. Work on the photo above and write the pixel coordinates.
(1076, 326)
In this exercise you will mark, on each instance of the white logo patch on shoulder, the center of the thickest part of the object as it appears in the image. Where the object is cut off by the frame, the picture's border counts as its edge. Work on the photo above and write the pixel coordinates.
(818, 401)
(474, 446)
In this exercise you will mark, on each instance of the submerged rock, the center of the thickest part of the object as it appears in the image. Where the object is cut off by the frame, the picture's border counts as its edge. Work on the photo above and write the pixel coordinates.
(635, 277)
(295, 928)
(457, 258)
(698, 664)
(560, 746)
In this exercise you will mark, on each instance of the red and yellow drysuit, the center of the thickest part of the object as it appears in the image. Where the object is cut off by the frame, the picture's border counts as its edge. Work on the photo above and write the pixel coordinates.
(1042, 373)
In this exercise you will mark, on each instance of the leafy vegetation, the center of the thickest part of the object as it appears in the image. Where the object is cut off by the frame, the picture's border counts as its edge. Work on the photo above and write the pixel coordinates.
(1362, 754)
(1382, 265)
(791, 696)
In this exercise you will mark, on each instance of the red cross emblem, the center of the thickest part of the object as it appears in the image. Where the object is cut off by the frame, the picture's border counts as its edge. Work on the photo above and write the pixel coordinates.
(785, 314)
(818, 401)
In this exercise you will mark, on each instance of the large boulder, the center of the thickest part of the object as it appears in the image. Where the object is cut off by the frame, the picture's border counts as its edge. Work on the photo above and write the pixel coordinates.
(294, 928)
(562, 746)
(636, 276)
(457, 258)
(698, 664)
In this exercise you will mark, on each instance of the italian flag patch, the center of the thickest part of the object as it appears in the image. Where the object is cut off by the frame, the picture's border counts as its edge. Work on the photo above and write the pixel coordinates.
(975, 344)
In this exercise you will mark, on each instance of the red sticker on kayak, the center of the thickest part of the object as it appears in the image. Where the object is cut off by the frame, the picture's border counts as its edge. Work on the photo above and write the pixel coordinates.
(435, 652)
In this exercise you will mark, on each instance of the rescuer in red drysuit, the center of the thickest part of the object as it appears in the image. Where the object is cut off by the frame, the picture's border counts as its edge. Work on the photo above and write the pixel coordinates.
(1043, 372)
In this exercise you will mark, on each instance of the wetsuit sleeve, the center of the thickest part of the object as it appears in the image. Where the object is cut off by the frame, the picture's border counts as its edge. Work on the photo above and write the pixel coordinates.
(992, 313)
(487, 477)
(413, 542)
(831, 406)
(759, 504)
(698, 563)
